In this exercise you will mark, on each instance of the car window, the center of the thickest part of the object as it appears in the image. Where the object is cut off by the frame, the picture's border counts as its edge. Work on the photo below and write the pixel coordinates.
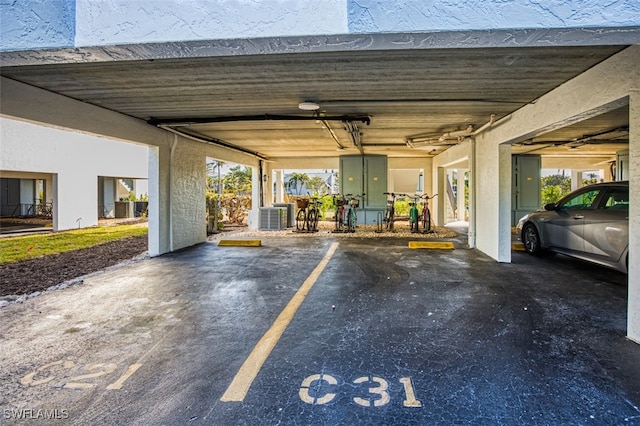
(580, 201)
(617, 199)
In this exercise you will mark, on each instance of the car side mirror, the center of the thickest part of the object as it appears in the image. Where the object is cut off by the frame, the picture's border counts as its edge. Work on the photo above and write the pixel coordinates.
(550, 207)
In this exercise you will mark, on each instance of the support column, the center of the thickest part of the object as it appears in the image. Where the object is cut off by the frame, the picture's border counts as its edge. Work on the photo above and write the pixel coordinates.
(473, 190)
(504, 208)
(159, 200)
(267, 185)
(75, 200)
(255, 198)
(633, 314)
(440, 202)
(491, 195)
(460, 193)
(279, 187)
(576, 179)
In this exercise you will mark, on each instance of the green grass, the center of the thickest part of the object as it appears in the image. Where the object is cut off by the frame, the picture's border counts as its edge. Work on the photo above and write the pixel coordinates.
(15, 249)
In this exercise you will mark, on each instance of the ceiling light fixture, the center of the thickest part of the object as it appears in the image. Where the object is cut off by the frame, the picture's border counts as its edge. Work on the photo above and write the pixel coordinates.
(308, 106)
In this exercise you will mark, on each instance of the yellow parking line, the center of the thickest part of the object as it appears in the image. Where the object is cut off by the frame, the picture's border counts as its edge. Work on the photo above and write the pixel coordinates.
(442, 245)
(517, 246)
(241, 383)
(240, 243)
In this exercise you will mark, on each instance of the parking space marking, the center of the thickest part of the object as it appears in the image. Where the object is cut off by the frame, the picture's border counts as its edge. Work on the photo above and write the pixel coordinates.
(442, 245)
(241, 383)
(240, 243)
(118, 383)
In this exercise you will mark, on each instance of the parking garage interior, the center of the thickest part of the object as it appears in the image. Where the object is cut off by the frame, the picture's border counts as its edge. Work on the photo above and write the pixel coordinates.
(423, 101)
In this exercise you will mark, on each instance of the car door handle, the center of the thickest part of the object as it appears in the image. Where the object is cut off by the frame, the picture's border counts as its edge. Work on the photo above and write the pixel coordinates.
(578, 217)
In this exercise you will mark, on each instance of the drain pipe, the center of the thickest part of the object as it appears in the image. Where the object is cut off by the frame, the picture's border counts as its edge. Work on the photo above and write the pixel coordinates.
(173, 148)
(457, 134)
(492, 119)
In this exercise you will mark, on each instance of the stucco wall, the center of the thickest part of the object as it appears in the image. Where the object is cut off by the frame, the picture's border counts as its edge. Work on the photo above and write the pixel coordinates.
(188, 205)
(374, 16)
(139, 21)
(67, 23)
(37, 24)
(74, 159)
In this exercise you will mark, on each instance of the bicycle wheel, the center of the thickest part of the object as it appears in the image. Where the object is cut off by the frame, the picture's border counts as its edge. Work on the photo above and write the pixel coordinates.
(389, 219)
(351, 221)
(426, 220)
(301, 219)
(312, 220)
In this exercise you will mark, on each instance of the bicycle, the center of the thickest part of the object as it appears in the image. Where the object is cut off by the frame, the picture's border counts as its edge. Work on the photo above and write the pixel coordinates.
(301, 217)
(389, 212)
(340, 202)
(414, 215)
(313, 214)
(425, 216)
(352, 217)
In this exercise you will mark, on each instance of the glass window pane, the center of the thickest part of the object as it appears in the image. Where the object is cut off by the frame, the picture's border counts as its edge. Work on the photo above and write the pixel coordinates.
(617, 199)
(581, 201)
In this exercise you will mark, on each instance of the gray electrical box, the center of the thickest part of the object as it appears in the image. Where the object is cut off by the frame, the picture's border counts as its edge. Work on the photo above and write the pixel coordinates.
(525, 186)
(365, 174)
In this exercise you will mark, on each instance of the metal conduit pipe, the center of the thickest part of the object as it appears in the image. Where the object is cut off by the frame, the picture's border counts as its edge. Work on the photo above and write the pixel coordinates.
(212, 141)
(492, 119)
(457, 134)
(416, 141)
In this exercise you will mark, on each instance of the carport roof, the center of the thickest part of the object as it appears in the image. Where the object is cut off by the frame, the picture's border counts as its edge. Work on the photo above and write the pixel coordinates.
(393, 94)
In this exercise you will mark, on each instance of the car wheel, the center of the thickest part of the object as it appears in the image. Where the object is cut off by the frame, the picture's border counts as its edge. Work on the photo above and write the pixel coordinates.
(531, 239)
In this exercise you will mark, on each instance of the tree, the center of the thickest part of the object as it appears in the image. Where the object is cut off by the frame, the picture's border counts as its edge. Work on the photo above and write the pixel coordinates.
(317, 185)
(297, 181)
(238, 180)
(555, 187)
(213, 171)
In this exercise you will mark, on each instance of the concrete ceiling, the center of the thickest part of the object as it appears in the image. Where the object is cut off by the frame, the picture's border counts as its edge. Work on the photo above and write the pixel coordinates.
(376, 98)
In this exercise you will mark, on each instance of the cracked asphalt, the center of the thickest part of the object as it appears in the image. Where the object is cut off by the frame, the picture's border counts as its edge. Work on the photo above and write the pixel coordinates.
(384, 335)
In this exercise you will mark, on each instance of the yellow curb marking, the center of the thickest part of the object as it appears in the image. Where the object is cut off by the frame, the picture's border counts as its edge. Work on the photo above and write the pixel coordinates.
(443, 245)
(517, 246)
(240, 243)
(241, 383)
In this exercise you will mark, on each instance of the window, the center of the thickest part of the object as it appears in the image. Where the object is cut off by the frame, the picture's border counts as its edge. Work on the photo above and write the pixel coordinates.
(617, 199)
(580, 201)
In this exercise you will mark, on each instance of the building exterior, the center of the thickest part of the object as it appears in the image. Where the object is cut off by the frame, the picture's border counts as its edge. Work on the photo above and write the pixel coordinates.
(72, 177)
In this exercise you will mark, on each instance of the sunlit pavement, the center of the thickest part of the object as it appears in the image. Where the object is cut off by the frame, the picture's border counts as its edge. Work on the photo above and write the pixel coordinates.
(325, 331)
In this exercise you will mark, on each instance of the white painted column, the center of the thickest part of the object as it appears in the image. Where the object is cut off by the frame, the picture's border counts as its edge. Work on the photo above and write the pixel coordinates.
(440, 202)
(267, 184)
(279, 187)
(159, 200)
(473, 191)
(27, 195)
(633, 314)
(460, 208)
(576, 179)
(492, 198)
(255, 198)
(68, 212)
(504, 212)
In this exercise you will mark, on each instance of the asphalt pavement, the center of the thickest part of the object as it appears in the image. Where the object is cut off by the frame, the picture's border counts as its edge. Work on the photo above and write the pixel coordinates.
(325, 330)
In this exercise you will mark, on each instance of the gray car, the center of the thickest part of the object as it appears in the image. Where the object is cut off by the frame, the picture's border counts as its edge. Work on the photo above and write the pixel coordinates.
(590, 223)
